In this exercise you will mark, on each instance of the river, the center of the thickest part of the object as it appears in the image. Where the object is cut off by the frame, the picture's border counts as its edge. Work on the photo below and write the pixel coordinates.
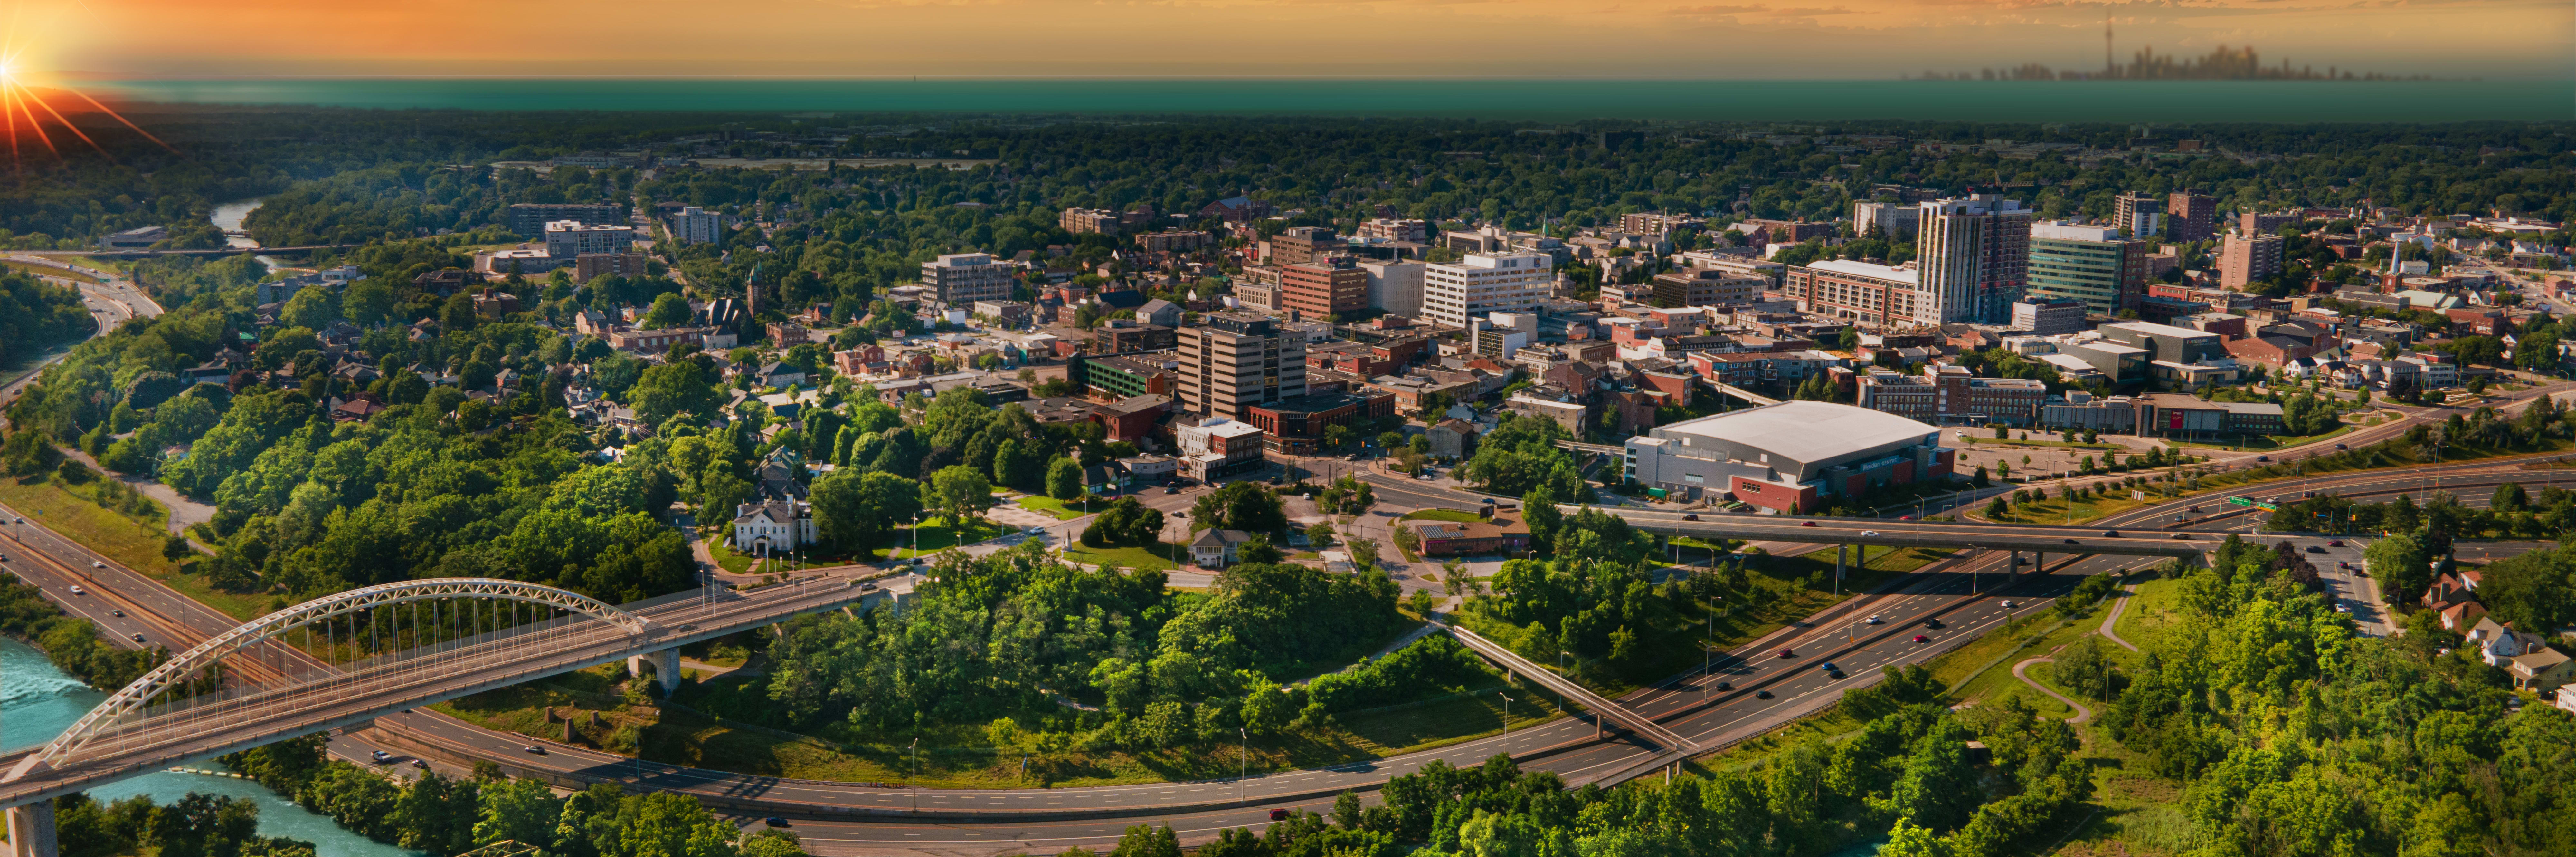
(38, 701)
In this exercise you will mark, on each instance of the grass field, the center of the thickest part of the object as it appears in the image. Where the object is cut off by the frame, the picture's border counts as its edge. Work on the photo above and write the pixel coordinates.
(1157, 558)
(935, 535)
(727, 559)
(133, 541)
(1051, 506)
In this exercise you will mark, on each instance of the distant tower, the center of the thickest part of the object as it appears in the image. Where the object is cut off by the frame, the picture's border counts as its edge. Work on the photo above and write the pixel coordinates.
(2109, 68)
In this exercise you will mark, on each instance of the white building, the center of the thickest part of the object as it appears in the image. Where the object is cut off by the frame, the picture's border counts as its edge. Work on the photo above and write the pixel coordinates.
(568, 239)
(1974, 255)
(2048, 316)
(1900, 221)
(964, 278)
(1484, 282)
(694, 225)
(1395, 286)
(772, 526)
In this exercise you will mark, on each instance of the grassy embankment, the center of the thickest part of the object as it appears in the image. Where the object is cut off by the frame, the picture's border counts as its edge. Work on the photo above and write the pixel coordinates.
(961, 756)
(132, 540)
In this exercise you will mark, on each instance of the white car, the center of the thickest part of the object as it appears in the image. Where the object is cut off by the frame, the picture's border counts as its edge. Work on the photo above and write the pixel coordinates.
(2008, 605)
(1037, 531)
(1869, 534)
(1876, 620)
(76, 590)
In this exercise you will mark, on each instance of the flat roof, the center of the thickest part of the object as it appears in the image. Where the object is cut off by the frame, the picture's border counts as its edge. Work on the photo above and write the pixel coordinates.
(2153, 329)
(1865, 269)
(1805, 431)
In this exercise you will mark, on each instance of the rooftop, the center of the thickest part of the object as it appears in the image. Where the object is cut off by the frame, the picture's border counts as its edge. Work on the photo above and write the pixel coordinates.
(1865, 269)
(1804, 430)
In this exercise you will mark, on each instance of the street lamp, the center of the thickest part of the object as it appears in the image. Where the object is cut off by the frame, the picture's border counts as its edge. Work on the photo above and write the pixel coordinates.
(1243, 762)
(1507, 712)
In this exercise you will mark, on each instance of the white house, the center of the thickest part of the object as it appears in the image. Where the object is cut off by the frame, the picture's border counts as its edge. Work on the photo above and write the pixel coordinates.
(772, 526)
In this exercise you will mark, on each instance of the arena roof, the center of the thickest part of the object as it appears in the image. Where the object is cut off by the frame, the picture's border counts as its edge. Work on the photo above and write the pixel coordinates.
(1804, 431)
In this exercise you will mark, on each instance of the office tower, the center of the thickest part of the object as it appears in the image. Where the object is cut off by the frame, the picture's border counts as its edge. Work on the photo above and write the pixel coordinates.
(1303, 244)
(694, 225)
(964, 278)
(1325, 287)
(1974, 253)
(2191, 215)
(1896, 220)
(1394, 285)
(2092, 264)
(1453, 292)
(2139, 216)
(1232, 361)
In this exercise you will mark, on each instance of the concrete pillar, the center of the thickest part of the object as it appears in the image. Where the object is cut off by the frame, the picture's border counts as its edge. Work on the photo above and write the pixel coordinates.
(2014, 567)
(1840, 553)
(2039, 562)
(667, 662)
(634, 666)
(31, 830)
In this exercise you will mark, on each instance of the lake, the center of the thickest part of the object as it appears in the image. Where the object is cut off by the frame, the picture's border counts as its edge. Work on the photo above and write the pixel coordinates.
(1754, 100)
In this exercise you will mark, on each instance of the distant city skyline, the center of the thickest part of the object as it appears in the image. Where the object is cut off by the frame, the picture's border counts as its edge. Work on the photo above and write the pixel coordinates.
(1872, 39)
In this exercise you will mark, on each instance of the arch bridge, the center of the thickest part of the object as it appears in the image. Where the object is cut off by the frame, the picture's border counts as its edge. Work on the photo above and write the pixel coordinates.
(348, 658)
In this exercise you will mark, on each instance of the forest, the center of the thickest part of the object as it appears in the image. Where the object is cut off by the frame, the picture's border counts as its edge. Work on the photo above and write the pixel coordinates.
(35, 316)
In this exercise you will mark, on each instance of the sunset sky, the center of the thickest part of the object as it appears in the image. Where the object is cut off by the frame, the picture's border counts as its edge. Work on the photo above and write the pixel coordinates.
(1725, 39)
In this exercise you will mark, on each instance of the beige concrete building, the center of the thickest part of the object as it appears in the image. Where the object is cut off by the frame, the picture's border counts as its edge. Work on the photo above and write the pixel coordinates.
(1232, 361)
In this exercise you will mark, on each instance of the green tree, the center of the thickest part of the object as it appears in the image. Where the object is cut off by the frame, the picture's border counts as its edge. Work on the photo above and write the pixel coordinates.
(857, 511)
(668, 311)
(960, 494)
(1064, 479)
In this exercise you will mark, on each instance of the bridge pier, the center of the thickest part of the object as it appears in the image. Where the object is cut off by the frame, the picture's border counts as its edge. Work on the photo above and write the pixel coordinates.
(666, 668)
(31, 830)
(2014, 568)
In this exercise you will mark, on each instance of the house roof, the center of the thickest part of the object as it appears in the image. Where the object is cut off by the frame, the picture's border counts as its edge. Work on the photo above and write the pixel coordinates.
(1220, 538)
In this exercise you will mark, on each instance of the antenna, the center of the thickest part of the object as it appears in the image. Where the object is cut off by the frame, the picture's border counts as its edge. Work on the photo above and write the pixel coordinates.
(2109, 68)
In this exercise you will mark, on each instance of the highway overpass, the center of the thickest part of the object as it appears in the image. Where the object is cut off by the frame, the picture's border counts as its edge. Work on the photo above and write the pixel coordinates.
(1876, 531)
(480, 634)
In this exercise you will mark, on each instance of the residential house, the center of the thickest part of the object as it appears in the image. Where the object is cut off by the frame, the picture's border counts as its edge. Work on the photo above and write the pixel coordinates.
(1218, 548)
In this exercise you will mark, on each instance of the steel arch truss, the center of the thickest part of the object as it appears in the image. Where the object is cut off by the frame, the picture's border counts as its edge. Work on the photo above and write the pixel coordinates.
(136, 696)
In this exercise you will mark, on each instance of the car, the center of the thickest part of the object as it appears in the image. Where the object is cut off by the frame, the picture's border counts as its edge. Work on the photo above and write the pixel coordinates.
(1833, 673)
(2110, 534)
(1922, 639)
(1874, 620)
(422, 764)
(1787, 653)
(1806, 523)
(1761, 694)
(2262, 458)
(2315, 549)
(2359, 571)
(97, 564)
(2334, 543)
(2339, 446)
(1180, 514)
(2073, 542)
(2008, 605)
(1690, 517)
(1278, 815)
(2191, 508)
(1725, 685)
(1036, 531)
(532, 748)
(1869, 534)
(139, 638)
(76, 590)
(2343, 608)
(2019, 561)
(117, 613)
(382, 756)
(1932, 623)
(1829, 667)
(2182, 536)
(774, 821)
(1171, 489)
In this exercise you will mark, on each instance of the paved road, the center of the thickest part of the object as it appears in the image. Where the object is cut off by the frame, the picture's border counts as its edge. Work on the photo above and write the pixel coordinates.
(1962, 600)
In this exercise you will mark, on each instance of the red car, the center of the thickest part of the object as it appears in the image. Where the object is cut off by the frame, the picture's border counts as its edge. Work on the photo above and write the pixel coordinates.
(1788, 654)
(1922, 639)
(1806, 523)
(1278, 815)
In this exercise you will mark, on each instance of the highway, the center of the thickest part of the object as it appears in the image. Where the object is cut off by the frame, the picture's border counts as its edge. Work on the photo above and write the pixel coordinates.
(1967, 605)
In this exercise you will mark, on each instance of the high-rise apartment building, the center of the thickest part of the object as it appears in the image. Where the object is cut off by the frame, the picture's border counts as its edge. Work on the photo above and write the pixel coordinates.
(1975, 256)
(1303, 244)
(2252, 223)
(1329, 286)
(1232, 361)
(1453, 292)
(1394, 285)
(2243, 260)
(2138, 215)
(1657, 223)
(964, 278)
(694, 225)
(1896, 220)
(1396, 229)
(2092, 264)
(2191, 215)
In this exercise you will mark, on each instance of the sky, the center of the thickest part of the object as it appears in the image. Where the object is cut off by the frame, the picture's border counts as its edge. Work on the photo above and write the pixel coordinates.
(1685, 39)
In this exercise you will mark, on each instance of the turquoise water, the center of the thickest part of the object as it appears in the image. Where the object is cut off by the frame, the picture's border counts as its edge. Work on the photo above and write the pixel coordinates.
(2051, 101)
(37, 702)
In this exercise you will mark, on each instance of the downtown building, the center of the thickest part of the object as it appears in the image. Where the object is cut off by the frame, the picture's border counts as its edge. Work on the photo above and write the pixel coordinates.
(1453, 292)
(2091, 264)
(530, 218)
(961, 279)
(1233, 361)
(2138, 215)
(1324, 287)
(2242, 260)
(1974, 259)
(1882, 295)
(2191, 215)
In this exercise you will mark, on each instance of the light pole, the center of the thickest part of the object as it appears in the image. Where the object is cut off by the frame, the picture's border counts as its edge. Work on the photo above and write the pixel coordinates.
(1507, 712)
(908, 781)
(1243, 762)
